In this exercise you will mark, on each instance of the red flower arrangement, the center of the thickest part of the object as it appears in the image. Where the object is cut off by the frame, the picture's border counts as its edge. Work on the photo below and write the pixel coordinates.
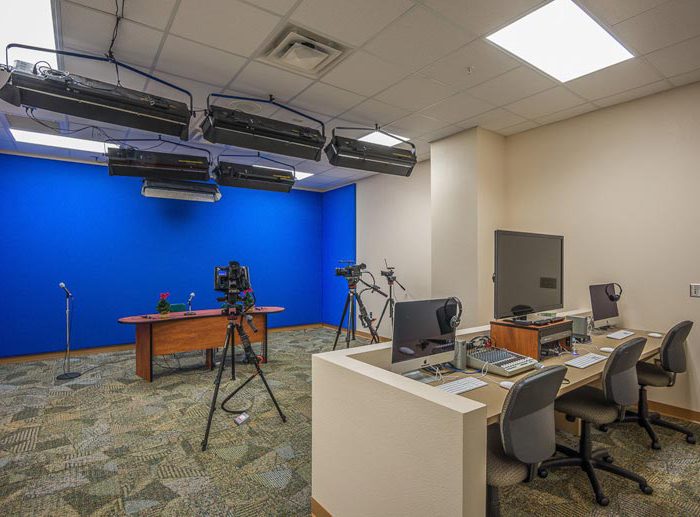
(163, 305)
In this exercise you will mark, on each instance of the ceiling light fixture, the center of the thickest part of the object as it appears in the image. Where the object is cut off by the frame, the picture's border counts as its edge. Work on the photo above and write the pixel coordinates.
(562, 40)
(381, 138)
(129, 161)
(298, 174)
(182, 190)
(65, 142)
(29, 22)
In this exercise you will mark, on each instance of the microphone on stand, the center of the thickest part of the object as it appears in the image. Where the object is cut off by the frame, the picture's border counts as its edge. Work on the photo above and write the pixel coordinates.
(189, 305)
(62, 285)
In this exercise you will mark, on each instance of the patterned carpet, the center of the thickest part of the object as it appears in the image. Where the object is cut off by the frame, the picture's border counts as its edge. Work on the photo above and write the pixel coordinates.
(108, 443)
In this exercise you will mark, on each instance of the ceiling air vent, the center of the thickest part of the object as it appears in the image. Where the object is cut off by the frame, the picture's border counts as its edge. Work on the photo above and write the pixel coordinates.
(300, 51)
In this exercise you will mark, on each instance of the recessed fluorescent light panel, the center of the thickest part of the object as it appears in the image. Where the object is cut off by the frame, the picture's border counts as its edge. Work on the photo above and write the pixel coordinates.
(377, 137)
(65, 142)
(561, 40)
(29, 22)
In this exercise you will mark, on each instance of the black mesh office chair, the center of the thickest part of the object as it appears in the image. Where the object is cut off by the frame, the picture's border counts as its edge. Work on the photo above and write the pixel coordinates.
(594, 406)
(661, 374)
(525, 435)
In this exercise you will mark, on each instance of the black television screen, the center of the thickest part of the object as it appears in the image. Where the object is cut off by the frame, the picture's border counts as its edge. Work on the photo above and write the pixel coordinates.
(528, 274)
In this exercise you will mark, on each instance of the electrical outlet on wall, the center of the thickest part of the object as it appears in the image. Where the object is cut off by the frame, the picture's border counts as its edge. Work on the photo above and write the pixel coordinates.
(695, 290)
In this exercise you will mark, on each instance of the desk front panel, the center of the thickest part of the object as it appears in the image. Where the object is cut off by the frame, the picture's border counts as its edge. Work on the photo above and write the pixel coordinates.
(182, 335)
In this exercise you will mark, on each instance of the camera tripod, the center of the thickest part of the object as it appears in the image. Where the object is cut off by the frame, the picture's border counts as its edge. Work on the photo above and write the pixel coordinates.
(349, 309)
(390, 301)
(251, 357)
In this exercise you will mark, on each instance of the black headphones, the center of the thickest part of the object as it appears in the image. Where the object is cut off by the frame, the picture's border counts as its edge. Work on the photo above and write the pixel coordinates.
(611, 291)
(457, 318)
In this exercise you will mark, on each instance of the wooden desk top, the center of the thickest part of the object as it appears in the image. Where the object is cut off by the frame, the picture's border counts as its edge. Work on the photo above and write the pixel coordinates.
(206, 313)
(493, 395)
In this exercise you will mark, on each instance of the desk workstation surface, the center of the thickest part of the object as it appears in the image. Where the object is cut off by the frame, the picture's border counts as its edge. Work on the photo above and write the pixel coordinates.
(493, 395)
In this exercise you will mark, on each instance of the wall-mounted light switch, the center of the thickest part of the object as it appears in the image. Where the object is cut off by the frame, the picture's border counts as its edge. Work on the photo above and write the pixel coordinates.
(695, 290)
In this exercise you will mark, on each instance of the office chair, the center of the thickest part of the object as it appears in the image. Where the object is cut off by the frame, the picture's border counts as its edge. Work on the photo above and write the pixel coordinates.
(525, 435)
(661, 374)
(594, 406)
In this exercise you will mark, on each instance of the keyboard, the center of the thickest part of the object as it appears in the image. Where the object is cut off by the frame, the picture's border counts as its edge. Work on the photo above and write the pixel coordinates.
(500, 361)
(584, 361)
(461, 385)
(620, 334)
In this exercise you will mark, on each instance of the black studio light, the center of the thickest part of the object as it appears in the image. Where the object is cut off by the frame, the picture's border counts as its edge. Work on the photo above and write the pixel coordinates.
(241, 129)
(366, 156)
(69, 94)
(129, 161)
(182, 190)
(255, 176)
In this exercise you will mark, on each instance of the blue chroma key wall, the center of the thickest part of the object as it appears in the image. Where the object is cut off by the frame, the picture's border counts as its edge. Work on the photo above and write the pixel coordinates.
(338, 244)
(116, 250)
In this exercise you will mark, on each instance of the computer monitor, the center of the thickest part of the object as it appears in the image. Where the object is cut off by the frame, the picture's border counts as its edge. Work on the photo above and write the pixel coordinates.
(604, 310)
(528, 274)
(423, 335)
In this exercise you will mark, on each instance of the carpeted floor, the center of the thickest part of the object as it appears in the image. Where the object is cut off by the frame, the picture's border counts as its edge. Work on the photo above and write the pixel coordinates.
(109, 443)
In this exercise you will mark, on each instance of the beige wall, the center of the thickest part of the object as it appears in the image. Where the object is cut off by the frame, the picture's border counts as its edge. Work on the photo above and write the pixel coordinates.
(393, 223)
(621, 185)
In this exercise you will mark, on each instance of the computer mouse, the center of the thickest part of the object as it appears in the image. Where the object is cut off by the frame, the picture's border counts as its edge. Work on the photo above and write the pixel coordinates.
(654, 334)
(607, 349)
(505, 384)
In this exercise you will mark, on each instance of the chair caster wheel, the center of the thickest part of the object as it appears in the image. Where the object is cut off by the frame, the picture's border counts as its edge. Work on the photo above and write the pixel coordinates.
(656, 446)
(646, 489)
(608, 459)
(690, 439)
(543, 473)
(604, 428)
(602, 500)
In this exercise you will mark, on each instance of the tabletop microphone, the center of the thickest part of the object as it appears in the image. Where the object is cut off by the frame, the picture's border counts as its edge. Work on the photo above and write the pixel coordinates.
(62, 285)
(189, 305)
(189, 300)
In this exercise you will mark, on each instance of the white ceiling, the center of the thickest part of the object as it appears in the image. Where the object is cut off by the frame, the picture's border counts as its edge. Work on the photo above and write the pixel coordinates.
(422, 68)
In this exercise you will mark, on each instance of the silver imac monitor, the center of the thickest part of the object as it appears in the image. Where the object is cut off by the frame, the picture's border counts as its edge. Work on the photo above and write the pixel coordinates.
(423, 335)
(605, 313)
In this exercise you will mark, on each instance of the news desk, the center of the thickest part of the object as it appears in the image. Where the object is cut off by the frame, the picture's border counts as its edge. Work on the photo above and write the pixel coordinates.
(178, 332)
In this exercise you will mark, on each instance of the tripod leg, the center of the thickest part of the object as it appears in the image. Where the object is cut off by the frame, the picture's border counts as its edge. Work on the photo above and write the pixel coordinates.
(340, 325)
(381, 317)
(353, 315)
(267, 387)
(217, 383)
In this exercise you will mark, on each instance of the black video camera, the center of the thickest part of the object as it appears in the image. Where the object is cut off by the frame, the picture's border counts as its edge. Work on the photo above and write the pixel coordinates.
(234, 280)
(353, 271)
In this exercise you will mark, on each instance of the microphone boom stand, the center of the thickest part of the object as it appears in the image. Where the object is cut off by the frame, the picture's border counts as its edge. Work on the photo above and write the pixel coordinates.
(67, 374)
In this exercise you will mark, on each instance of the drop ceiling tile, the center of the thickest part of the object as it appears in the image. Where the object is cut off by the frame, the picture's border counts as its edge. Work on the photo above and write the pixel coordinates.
(194, 61)
(373, 112)
(91, 31)
(688, 78)
(276, 6)
(416, 125)
(418, 38)
(327, 99)
(486, 61)
(103, 72)
(312, 167)
(677, 59)
(364, 73)
(225, 24)
(567, 113)
(155, 13)
(337, 122)
(546, 102)
(518, 128)
(294, 118)
(440, 133)
(483, 16)
(415, 92)
(199, 90)
(634, 93)
(493, 120)
(618, 10)
(512, 86)
(261, 80)
(351, 22)
(660, 27)
(614, 79)
(262, 109)
(458, 107)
